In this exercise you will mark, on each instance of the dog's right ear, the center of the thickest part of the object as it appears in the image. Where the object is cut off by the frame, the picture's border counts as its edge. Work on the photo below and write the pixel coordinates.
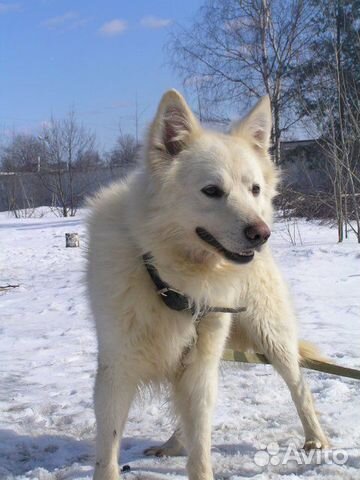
(256, 125)
(172, 129)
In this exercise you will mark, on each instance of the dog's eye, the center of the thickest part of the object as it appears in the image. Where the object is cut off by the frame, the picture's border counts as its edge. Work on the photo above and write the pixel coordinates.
(255, 190)
(213, 191)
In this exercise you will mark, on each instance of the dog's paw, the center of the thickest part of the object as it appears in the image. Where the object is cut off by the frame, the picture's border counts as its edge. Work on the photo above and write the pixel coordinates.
(316, 444)
(109, 472)
(165, 451)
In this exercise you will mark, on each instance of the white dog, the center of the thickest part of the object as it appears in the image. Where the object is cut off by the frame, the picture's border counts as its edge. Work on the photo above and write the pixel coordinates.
(172, 250)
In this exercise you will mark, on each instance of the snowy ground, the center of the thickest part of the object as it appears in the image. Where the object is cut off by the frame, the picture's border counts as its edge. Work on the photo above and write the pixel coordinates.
(47, 364)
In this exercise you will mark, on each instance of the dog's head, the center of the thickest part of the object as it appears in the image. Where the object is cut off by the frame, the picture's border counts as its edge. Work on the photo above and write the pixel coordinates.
(213, 191)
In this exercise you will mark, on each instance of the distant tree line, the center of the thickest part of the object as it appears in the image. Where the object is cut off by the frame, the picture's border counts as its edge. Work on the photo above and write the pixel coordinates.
(60, 166)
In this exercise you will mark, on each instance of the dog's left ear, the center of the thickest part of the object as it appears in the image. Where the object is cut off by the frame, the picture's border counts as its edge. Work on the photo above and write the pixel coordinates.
(172, 129)
(256, 125)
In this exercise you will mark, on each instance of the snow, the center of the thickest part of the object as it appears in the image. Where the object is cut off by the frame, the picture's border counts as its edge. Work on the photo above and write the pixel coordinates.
(48, 354)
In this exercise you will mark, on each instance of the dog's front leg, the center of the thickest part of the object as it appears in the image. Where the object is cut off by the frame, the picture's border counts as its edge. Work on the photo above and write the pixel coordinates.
(270, 326)
(195, 394)
(282, 352)
(114, 392)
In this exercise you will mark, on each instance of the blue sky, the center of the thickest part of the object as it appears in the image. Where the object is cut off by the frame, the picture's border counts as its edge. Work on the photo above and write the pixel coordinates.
(91, 55)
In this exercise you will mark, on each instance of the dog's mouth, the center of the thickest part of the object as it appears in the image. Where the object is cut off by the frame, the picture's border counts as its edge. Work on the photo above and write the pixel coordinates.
(244, 256)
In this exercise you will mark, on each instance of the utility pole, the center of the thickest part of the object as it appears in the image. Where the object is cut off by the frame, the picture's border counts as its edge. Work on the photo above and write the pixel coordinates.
(136, 119)
(45, 142)
(199, 102)
(138, 116)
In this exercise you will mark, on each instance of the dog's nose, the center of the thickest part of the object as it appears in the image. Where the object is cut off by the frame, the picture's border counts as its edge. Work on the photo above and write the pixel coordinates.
(258, 233)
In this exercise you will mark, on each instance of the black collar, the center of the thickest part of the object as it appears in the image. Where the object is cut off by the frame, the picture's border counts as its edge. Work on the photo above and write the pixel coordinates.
(178, 301)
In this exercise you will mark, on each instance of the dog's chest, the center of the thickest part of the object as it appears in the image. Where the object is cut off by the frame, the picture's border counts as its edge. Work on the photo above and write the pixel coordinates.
(165, 340)
(157, 335)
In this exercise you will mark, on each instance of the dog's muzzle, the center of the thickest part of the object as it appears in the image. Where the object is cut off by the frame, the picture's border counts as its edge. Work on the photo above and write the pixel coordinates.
(244, 256)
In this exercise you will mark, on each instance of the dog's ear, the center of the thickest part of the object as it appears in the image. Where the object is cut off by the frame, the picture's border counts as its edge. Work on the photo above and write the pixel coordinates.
(256, 125)
(172, 129)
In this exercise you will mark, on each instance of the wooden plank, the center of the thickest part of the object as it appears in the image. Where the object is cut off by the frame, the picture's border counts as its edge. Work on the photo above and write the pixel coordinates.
(320, 366)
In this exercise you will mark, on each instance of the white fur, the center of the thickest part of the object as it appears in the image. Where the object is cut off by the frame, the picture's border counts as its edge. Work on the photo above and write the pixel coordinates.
(140, 340)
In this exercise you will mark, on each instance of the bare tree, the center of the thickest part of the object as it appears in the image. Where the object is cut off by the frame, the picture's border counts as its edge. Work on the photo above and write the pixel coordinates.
(20, 160)
(125, 152)
(240, 49)
(66, 142)
(89, 160)
(24, 153)
(329, 95)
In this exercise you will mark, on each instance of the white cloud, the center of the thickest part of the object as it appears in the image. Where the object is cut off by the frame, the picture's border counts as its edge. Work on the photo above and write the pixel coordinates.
(113, 28)
(68, 20)
(9, 7)
(155, 22)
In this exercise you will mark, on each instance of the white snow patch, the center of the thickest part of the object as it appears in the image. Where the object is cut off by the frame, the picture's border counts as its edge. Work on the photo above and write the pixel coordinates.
(48, 354)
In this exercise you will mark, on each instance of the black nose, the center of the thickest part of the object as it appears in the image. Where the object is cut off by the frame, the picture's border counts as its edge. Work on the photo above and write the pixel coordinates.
(258, 233)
